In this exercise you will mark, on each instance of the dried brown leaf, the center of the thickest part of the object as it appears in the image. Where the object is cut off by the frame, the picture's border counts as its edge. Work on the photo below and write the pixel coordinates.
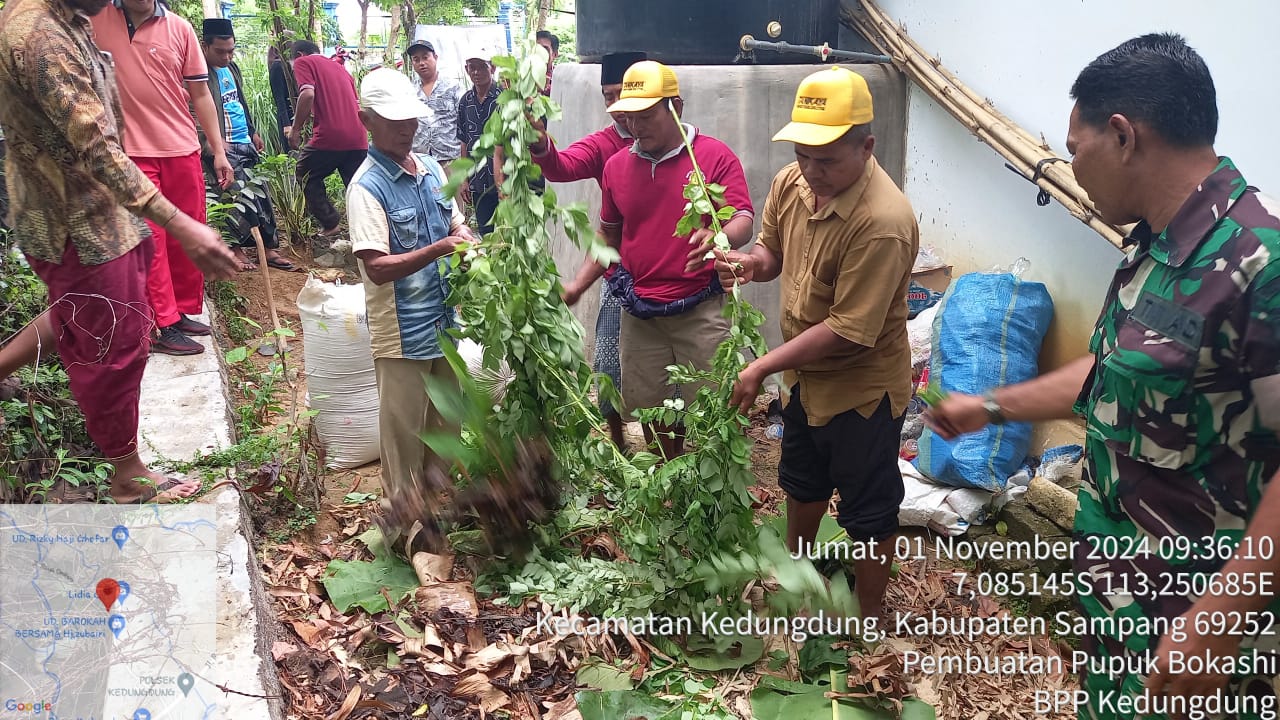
(432, 568)
(459, 598)
(347, 706)
(486, 695)
(520, 670)
(440, 669)
(284, 591)
(431, 638)
(475, 639)
(490, 657)
(308, 632)
(282, 650)
(565, 709)
(604, 546)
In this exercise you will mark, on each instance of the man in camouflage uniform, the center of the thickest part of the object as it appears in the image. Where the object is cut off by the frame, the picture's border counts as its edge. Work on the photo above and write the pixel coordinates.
(1180, 391)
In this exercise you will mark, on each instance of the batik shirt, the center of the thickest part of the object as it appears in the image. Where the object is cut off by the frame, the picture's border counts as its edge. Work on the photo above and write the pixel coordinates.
(437, 133)
(1175, 445)
(68, 174)
(473, 113)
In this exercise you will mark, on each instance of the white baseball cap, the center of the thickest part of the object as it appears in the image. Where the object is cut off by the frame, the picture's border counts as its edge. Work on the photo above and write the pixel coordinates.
(391, 95)
(480, 52)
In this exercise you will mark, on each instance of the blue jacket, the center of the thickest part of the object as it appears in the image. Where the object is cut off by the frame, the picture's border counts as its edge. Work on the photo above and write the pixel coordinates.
(418, 214)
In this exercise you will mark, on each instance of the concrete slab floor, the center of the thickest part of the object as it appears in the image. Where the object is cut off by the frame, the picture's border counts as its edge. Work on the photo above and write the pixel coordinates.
(184, 414)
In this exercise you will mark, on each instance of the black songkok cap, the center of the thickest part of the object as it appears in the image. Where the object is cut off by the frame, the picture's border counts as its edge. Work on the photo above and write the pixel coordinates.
(218, 27)
(614, 66)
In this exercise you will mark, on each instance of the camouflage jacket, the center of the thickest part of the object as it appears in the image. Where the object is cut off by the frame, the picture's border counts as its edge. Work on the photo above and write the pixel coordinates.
(1175, 443)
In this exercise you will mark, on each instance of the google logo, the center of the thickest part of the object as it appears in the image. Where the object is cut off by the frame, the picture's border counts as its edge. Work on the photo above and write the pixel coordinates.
(34, 708)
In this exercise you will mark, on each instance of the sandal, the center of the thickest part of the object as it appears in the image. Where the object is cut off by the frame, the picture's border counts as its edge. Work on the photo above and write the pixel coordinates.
(280, 263)
(156, 493)
(246, 265)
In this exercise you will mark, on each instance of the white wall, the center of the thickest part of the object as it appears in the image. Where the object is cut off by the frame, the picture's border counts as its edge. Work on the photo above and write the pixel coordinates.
(1024, 57)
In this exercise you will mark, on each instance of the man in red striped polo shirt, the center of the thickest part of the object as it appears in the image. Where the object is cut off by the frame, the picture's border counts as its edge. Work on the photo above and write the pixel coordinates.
(585, 159)
(673, 314)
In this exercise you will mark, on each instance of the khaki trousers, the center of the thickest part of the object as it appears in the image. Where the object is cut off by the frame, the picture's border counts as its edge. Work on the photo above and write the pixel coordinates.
(405, 411)
(649, 346)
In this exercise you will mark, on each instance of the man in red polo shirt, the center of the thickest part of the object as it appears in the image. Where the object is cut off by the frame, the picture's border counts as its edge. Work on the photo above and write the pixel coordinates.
(673, 314)
(159, 65)
(327, 94)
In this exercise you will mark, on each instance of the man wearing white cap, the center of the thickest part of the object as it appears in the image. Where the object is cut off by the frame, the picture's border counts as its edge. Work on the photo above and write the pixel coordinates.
(474, 109)
(403, 229)
(843, 238)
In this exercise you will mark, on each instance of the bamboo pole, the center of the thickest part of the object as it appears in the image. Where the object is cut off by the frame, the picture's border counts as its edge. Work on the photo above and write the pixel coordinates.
(280, 340)
(980, 116)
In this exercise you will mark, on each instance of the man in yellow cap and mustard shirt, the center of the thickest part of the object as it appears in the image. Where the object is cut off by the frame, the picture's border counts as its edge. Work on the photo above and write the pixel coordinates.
(843, 238)
(673, 312)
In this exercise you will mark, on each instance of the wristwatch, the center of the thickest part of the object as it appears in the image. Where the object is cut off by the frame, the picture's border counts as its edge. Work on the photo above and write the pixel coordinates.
(995, 414)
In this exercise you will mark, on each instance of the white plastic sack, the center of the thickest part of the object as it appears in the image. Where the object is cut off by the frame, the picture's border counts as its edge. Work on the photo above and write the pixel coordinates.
(944, 509)
(339, 368)
(920, 335)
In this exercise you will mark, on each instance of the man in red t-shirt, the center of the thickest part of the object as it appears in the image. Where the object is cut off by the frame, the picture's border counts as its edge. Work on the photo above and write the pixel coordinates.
(338, 141)
(673, 312)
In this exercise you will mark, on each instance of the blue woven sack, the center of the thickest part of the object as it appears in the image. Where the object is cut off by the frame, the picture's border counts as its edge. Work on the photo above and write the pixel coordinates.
(987, 333)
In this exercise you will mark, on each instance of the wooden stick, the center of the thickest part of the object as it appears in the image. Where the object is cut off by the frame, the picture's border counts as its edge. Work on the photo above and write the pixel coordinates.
(280, 339)
(981, 117)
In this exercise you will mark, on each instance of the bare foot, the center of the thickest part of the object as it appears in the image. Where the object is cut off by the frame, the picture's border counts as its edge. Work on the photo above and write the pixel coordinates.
(246, 263)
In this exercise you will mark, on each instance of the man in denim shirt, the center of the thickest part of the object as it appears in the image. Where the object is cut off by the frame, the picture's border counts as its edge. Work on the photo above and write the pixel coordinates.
(403, 229)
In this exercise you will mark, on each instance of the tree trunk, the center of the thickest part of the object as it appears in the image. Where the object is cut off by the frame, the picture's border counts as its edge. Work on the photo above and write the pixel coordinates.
(364, 29)
(393, 37)
(544, 7)
(277, 27)
(311, 23)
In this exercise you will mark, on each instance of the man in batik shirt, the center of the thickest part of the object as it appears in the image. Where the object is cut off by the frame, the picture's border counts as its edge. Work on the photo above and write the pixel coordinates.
(437, 134)
(77, 200)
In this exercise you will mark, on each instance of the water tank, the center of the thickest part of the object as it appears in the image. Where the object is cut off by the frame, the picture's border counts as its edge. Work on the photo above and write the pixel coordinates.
(702, 32)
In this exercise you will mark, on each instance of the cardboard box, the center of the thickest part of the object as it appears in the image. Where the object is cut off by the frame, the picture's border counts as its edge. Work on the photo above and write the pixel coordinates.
(936, 279)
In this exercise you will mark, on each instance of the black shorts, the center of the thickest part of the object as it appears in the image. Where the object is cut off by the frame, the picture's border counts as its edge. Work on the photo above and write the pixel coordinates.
(857, 456)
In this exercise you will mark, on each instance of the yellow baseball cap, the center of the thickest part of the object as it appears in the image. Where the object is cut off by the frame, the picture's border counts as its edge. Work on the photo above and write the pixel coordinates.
(644, 84)
(828, 103)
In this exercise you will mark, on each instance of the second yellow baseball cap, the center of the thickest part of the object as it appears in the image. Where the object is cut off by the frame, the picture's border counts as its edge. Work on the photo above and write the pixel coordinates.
(828, 103)
(643, 85)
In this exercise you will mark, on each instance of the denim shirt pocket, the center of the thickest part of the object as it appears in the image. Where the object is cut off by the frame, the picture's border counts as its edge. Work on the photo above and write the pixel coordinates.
(403, 224)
